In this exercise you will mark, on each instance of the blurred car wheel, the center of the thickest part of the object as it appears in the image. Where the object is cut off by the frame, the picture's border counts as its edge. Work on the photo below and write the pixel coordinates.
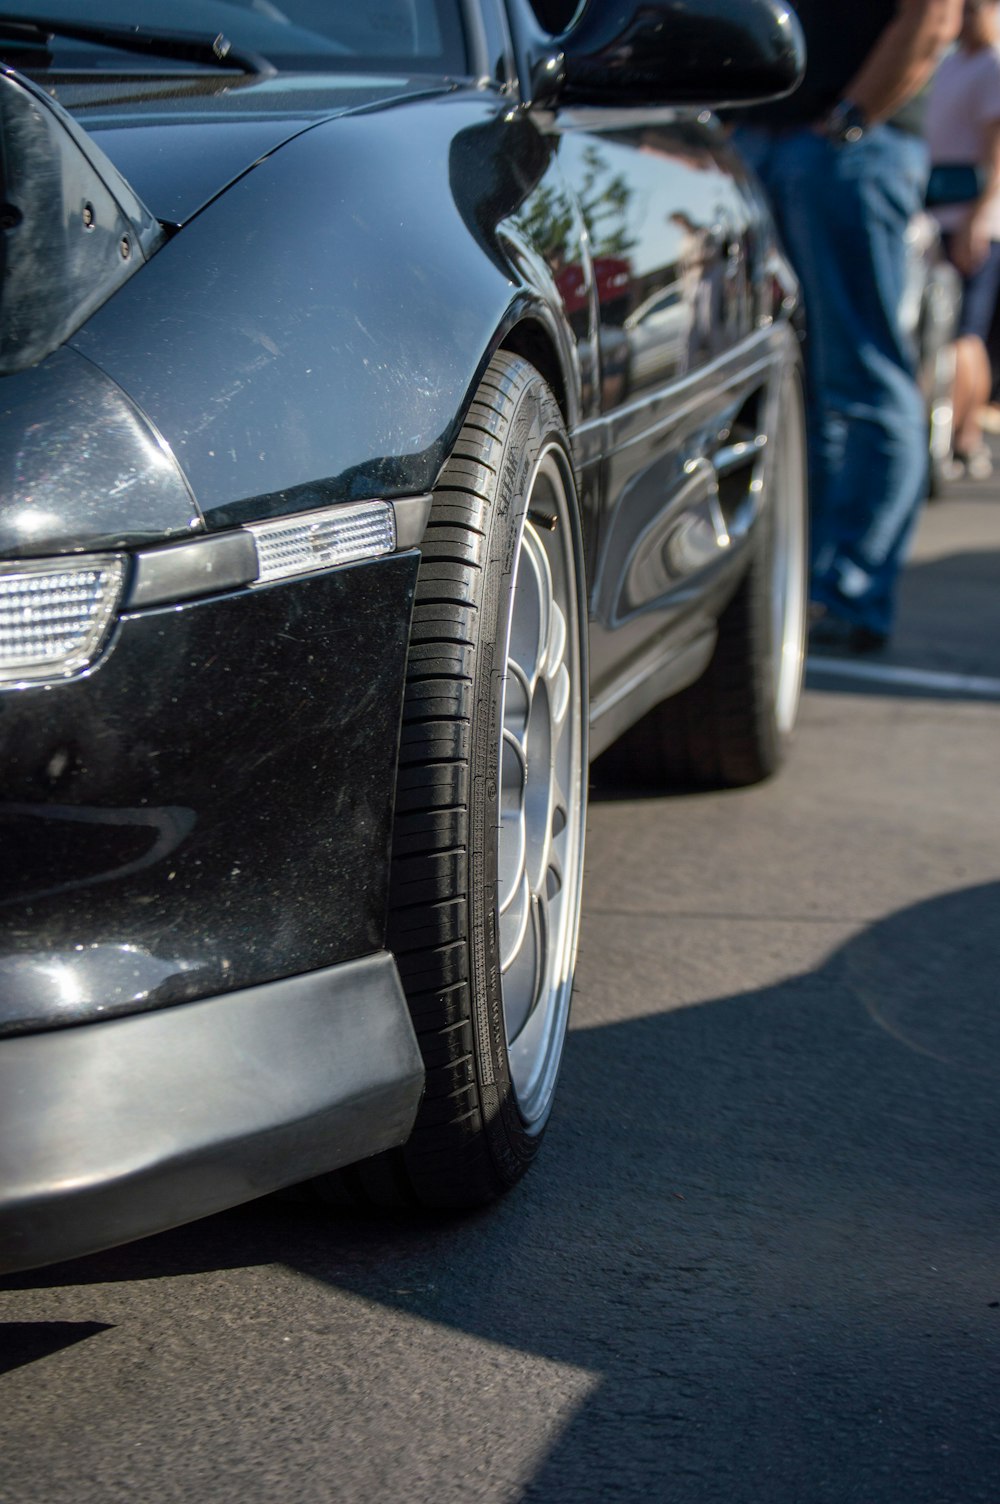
(939, 382)
(732, 726)
(930, 308)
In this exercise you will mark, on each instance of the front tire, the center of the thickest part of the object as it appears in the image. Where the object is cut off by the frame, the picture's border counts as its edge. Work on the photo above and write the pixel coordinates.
(491, 796)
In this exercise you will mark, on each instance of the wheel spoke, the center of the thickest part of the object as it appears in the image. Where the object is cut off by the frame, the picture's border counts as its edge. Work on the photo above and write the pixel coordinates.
(559, 696)
(512, 846)
(523, 975)
(516, 701)
(514, 925)
(556, 650)
(529, 622)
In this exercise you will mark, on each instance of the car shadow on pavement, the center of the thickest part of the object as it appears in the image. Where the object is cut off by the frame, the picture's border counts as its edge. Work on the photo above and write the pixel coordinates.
(23, 1342)
(766, 1225)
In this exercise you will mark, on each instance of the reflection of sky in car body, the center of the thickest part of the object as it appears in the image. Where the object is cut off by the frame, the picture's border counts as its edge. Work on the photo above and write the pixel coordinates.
(701, 188)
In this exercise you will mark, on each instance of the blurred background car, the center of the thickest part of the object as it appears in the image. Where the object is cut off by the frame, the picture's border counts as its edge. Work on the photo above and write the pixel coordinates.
(931, 303)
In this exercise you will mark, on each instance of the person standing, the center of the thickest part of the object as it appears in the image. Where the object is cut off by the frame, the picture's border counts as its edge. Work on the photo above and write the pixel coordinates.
(963, 130)
(845, 165)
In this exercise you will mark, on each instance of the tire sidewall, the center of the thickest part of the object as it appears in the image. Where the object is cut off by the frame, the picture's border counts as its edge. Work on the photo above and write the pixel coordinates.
(535, 423)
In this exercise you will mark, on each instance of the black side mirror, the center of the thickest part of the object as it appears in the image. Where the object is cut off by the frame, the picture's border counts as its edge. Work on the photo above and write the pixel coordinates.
(72, 230)
(664, 52)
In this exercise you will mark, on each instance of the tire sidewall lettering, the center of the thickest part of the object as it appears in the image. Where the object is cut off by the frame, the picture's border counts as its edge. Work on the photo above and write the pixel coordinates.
(533, 422)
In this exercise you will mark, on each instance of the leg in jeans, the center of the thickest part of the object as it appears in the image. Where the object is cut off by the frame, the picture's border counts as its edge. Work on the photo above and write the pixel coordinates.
(842, 213)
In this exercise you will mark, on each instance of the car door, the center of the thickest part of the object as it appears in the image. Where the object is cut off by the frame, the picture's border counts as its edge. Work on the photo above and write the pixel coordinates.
(669, 227)
(672, 230)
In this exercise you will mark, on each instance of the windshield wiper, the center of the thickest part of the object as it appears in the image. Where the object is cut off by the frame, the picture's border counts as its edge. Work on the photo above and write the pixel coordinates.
(215, 51)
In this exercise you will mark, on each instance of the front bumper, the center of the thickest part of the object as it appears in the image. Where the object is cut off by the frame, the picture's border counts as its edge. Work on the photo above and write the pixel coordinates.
(210, 807)
(114, 1130)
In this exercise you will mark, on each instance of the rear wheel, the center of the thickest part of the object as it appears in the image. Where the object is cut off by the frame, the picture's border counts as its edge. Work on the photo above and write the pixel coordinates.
(732, 726)
(491, 792)
(941, 421)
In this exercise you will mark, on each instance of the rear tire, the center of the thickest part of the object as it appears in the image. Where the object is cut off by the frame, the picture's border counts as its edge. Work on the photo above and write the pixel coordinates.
(941, 422)
(733, 725)
(487, 859)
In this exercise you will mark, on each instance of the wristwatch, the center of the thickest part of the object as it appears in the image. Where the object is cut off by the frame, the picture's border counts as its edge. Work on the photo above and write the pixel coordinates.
(845, 124)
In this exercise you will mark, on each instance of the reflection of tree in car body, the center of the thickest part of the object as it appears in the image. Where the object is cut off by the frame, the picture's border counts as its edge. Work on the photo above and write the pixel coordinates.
(666, 286)
(691, 278)
(712, 273)
(549, 214)
(548, 218)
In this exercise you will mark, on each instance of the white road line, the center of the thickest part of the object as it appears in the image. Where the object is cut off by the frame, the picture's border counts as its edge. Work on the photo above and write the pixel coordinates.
(913, 678)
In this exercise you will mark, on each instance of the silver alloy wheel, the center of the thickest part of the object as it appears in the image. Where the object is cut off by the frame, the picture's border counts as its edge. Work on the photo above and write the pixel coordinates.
(789, 565)
(543, 770)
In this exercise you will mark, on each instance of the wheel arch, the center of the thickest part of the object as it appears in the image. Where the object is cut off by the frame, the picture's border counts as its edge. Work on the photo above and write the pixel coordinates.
(531, 337)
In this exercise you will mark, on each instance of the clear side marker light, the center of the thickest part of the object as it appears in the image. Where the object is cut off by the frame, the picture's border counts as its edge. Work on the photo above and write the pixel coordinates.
(318, 540)
(56, 615)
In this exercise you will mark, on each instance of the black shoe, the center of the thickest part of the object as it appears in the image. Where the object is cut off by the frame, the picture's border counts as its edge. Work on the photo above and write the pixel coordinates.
(834, 632)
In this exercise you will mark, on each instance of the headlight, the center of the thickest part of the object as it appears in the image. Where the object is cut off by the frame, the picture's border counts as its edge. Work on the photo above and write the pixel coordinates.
(56, 614)
(54, 617)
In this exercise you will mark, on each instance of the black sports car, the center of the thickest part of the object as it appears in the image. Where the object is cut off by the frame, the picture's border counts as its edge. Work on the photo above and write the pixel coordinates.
(400, 404)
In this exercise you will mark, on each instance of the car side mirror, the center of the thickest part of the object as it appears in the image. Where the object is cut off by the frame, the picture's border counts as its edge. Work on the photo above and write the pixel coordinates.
(663, 52)
(71, 229)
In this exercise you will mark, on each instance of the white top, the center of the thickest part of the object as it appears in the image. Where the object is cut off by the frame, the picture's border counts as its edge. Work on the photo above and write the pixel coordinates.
(964, 100)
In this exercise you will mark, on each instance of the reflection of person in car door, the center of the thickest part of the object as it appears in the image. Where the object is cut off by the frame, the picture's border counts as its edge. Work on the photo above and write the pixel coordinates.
(845, 168)
(691, 272)
(963, 127)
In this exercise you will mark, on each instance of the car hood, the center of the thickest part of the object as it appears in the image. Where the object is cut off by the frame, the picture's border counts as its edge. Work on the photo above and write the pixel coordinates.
(180, 145)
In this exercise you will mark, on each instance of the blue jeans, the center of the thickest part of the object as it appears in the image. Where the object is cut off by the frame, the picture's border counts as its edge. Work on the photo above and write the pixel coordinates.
(842, 212)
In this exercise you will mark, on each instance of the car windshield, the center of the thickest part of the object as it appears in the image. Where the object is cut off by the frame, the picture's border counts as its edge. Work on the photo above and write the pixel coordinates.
(411, 36)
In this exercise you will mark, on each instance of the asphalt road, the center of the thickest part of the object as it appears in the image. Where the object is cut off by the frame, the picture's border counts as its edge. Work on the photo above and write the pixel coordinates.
(758, 1260)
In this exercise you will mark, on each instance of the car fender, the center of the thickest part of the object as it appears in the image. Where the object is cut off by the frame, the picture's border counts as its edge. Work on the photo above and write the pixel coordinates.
(316, 333)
